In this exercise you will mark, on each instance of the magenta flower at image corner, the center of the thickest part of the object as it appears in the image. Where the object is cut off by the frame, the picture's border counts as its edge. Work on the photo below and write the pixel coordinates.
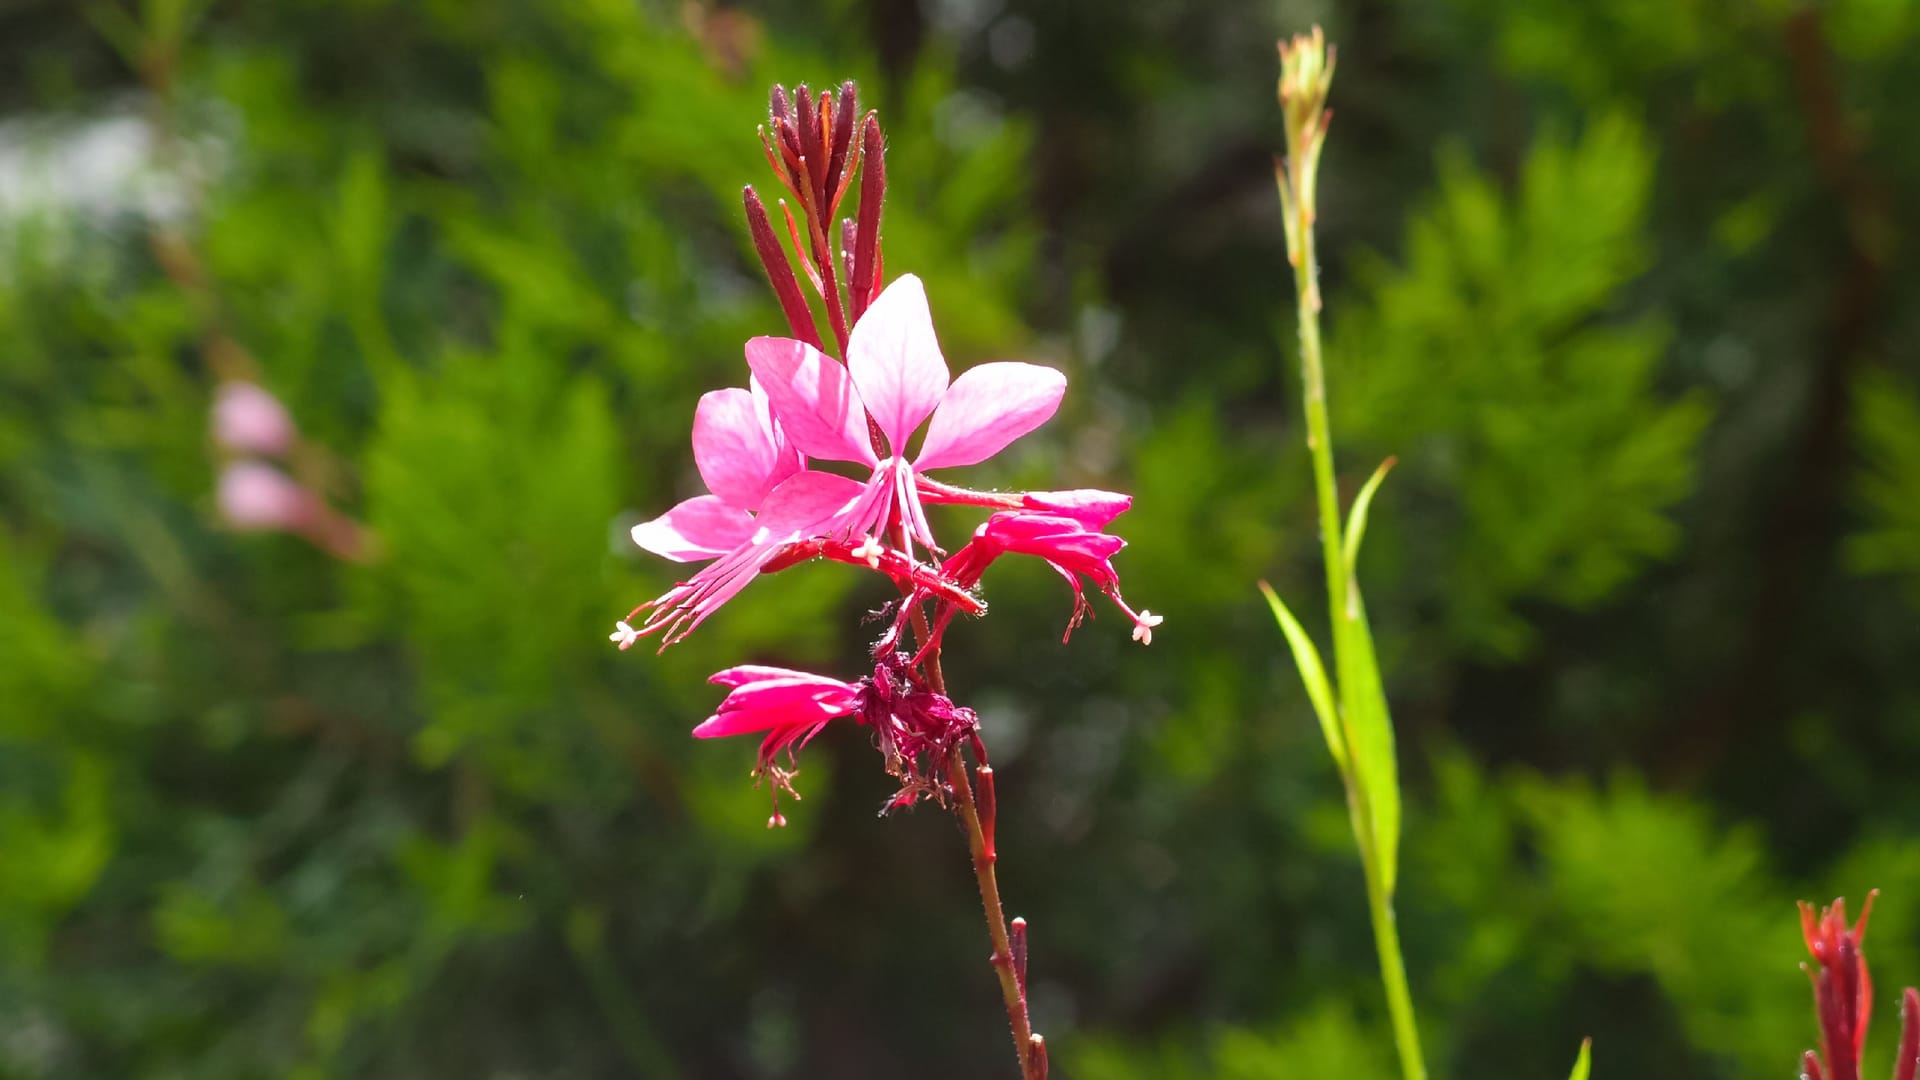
(1843, 997)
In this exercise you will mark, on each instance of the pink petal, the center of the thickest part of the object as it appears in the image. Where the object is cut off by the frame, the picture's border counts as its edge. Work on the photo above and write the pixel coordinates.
(767, 698)
(787, 457)
(260, 497)
(895, 360)
(813, 399)
(1091, 507)
(733, 446)
(700, 528)
(744, 674)
(806, 504)
(249, 420)
(988, 407)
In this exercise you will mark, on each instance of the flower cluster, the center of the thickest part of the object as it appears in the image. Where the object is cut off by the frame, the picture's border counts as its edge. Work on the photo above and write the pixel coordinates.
(889, 412)
(768, 507)
(251, 426)
(889, 416)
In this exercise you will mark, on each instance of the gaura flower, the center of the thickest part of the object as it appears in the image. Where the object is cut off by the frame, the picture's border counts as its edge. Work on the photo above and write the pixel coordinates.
(914, 728)
(762, 499)
(790, 706)
(894, 379)
(1067, 545)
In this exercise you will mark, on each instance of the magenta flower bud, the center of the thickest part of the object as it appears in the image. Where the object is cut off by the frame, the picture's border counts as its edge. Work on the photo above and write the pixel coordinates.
(249, 420)
(260, 498)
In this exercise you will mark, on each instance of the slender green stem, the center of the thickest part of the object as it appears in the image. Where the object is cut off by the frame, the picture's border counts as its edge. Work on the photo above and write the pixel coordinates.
(1386, 933)
(1393, 973)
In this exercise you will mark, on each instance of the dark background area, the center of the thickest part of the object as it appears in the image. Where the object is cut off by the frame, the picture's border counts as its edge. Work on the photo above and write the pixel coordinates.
(1628, 289)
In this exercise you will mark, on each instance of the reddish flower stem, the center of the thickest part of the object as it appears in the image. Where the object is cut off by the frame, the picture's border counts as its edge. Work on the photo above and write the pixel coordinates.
(1027, 1047)
(1002, 960)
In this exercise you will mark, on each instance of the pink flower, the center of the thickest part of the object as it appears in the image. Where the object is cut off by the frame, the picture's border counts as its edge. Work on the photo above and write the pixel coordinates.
(763, 498)
(249, 420)
(1067, 545)
(255, 497)
(894, 379)
(791, 706)
(260, 498)
(914, 729)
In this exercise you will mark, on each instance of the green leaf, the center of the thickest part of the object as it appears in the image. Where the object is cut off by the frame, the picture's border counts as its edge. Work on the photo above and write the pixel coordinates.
(1357, 517)
(1584, 1062)
(1369, 731)
(1313, 673)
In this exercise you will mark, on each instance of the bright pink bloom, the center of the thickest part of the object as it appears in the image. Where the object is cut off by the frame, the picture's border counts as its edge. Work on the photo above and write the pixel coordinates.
(894, 379)
(763, 498)
(1067, 545)
(249, 420)
(790, 706)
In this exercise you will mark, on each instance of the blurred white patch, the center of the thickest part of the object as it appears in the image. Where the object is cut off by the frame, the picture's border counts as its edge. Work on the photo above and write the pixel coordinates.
(1010, 42)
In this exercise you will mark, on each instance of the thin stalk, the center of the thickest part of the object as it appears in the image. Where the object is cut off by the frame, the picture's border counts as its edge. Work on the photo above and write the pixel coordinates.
(1386, 933)
(996, 916)
(983, 859)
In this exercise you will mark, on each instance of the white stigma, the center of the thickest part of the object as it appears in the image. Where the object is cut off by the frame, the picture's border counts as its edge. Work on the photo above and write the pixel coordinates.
(869, 550)
(625, 635)
(1143, 626)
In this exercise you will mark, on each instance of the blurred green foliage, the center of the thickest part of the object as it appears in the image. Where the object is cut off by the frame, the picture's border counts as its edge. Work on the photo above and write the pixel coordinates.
(1634, 339)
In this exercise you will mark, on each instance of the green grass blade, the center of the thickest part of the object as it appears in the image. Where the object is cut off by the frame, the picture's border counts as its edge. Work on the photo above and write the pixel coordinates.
(1313, 673)
(1584, 1062)
(1369, 731)
(1357, 517)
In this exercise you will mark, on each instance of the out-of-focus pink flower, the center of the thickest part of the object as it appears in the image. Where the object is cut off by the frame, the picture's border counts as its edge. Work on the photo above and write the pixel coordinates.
(895, 378)
(762, 499)
(257, 497)
(1067, 545)
(260, 498)
(249, 420)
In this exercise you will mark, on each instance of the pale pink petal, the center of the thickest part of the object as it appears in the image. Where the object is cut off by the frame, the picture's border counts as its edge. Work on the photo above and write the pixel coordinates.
(895, 360)
(260, 497)
(787, 457)
(733, 446)
(700, 528)
(988, 407)
(806, 504)
(249, 420)
(813, 399)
